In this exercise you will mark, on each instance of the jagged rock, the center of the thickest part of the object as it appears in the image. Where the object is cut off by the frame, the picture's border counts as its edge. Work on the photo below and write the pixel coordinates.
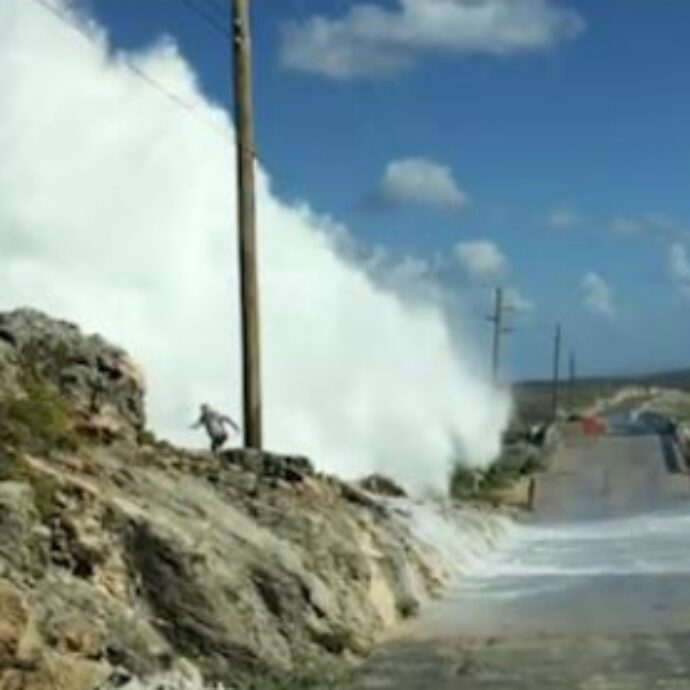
(129, 556)
(286, 467)
(99, 382)
(164, 681)
(55, 672)
(23, 547)
(383, 486)
(14, 622)
(358, 497)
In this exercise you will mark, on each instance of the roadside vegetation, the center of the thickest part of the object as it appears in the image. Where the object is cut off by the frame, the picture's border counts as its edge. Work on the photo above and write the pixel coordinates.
(37, 423)
(504, 481)
(533, 399)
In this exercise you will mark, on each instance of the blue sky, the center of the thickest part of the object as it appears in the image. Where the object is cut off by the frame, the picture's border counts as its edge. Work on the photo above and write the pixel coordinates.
(588, 134)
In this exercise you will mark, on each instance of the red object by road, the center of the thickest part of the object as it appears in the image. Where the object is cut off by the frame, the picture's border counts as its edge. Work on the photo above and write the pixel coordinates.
(591, 426)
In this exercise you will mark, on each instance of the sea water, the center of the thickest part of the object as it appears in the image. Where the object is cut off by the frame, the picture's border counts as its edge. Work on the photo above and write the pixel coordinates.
(593, 576)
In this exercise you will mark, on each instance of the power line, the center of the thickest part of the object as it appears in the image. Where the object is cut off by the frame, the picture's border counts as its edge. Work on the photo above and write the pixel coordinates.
(65, 19)
(208, 18)
(221, 8)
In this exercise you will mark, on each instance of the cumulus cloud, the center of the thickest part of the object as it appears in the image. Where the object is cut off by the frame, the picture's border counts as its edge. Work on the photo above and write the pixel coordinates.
(598, 297)
(679, 267)
(518, 302)
(660, 222)
(480, 258)
(648, 224)
(116, 210)
(371, 40)
(627, 227)
(562, 219)
(419, 181)
(679, 262)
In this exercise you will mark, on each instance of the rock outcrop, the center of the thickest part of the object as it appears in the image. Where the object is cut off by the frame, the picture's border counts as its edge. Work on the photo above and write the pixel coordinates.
(122, 556)
(98, 385)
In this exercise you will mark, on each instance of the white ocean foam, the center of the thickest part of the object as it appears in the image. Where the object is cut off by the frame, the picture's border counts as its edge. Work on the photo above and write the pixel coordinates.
(166, 681)
(117, 211)
(464, 538)
(655, 544)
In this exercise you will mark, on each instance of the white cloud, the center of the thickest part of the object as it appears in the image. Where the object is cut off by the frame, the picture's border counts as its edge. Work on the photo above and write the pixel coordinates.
(518, 302)
(627, 227)
(679, 262)
(372, 40)
(598, 296)
(480, 258)
(679, 267)
(563, 219)
(421, 182)
(648, 224)
(660, 222)
(117, 211)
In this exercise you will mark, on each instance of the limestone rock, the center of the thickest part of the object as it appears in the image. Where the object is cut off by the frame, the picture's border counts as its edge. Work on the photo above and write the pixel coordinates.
(122, 557)
(55, 672)
(99, 382)
(286, 467)
(23, 548)
(383, 486)
(14, 622)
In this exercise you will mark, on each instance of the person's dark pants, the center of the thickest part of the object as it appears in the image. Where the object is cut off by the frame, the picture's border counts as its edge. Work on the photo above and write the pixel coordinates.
(217, 443)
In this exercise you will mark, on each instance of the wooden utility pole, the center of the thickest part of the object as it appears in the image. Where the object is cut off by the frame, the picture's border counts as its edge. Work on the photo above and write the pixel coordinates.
(556, 369)
(246, 216)
(498, 328)
(498, 319)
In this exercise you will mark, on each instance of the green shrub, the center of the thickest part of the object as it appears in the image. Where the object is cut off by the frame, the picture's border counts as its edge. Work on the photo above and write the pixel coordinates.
(37, 423)
(464, 482)
(145, 437)
(516, 461)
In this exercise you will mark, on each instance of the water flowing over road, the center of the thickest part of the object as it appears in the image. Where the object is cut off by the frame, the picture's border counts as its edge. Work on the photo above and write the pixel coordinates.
(593, 592)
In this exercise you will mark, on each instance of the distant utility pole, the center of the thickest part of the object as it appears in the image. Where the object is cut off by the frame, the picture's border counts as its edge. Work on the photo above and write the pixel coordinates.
(572, 380)
(246, 216)
(556, 369)
(500, 310)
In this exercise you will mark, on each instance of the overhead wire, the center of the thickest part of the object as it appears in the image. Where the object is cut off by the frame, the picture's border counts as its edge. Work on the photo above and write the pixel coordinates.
(212, 23)
(221, 7)
(137, 71)
(208, 18)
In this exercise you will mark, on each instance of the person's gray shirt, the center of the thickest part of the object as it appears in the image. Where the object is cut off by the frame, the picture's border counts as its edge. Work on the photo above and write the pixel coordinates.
(215, 423)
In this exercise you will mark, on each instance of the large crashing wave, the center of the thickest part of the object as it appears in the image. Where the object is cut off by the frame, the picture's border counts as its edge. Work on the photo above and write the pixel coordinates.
(117, 211)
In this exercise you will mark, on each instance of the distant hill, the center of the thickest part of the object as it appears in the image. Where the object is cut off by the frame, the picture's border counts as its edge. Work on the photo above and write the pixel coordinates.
(534, 398)
(677, 378)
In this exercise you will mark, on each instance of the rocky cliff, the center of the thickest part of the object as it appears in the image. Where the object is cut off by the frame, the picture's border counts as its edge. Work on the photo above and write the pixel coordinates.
(123, 557)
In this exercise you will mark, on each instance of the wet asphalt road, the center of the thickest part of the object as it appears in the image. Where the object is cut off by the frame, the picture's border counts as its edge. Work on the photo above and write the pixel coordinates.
(611, 476)
(595, 595)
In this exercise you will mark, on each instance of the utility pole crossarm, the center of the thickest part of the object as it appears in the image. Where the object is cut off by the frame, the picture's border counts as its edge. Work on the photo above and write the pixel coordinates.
(498, 331)
(246, 217)
(497, 319)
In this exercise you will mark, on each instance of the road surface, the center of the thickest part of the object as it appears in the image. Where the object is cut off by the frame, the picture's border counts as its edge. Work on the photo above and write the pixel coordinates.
(593, 594)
